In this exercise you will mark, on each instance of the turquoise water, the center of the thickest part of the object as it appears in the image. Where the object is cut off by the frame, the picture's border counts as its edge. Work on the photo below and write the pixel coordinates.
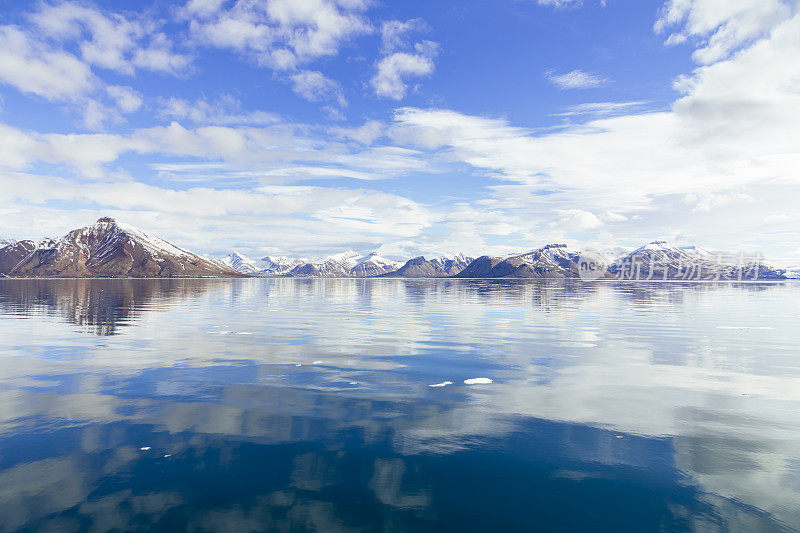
(294, 405)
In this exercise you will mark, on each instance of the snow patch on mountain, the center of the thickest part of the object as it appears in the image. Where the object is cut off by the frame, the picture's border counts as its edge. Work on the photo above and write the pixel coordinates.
(240, 263)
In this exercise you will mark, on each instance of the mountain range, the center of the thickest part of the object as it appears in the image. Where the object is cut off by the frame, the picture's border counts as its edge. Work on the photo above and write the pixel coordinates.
(109, 248)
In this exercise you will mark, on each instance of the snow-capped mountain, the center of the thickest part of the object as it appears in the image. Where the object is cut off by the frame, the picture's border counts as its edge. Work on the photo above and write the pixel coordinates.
(345, 264)
(550, 261)
(454, 264)
(240, 263)
(13, 253)
(111, 248)
(419, 267)
(662, 260)
(338, 265)
(279, 265)
(7, 242)
(373, 265)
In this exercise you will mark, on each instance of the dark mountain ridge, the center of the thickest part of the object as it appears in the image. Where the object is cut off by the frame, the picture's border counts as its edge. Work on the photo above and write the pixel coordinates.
(109, 249)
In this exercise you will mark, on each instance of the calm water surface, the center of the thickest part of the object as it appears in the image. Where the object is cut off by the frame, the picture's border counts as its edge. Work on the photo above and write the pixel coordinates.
(301, 405)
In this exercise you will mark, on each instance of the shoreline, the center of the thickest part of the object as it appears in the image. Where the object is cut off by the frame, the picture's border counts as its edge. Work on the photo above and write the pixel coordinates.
(382, 278)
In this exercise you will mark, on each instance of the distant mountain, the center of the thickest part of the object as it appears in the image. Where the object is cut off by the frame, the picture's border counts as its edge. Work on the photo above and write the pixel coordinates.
(551, 261)
(344, 265)
(110, 248)
(279, 265)
(419, 267)
(480, 267)
(454, 264)
(662, 260)
(13, 253)
(240, 263)
(373, 265)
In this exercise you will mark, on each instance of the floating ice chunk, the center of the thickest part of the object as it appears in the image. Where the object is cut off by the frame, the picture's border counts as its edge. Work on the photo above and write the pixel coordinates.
(477, 381)
(167, 455)
(354, 383)
(317, 363)
(442, 384)
(244, 333)
(299, 364)
(145, 448)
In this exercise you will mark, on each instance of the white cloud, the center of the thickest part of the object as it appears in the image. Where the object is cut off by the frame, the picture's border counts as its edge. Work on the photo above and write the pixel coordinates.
(295, 217)
(96, 114)
(314, 86)
(709, 201)
(35, 68)
(390, 79)
(366, 134)
(601, 108)
(714, 165)
(280, 34)
(576, 79)
(127, 99)
(721, 27)
(393, 33)
(558, 3)
(577, 220)
(109, 40)
(224, 111)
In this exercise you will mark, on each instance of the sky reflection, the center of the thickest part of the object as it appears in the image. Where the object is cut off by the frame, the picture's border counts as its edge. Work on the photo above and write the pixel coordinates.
(624, 406)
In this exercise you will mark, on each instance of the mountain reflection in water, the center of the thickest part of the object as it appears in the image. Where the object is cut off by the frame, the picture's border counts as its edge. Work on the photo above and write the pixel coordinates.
(197, 405)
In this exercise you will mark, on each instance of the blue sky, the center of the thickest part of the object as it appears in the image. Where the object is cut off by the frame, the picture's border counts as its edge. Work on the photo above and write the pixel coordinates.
(312, 126)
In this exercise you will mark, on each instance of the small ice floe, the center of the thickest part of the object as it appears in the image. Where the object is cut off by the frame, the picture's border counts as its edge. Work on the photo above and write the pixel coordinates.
(299, 364)
(317, 363)
(243, 333)
(442, 384)
(477, 381)
(145, 448)
(618, 436)
(744, 327)
(167, 455)
(354, 383)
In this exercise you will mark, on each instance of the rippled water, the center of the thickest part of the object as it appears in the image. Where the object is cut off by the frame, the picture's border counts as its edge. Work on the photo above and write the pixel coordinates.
(257, 404)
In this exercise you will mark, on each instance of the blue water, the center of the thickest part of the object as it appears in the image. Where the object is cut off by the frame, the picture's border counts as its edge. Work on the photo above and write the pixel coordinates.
(197, 405)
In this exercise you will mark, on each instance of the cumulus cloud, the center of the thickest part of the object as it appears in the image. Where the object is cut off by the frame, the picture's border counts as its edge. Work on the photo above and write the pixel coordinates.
(314, 86)
(223, 111)
(709, 165)
(576, 79)
(109, 40)
(394, 32)
(56, 57)
(32, 67)
(721, 27)
(127, 99)
(401, 60)
(303, 214)
(280, 34)
(577, 220)
(393, 70)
